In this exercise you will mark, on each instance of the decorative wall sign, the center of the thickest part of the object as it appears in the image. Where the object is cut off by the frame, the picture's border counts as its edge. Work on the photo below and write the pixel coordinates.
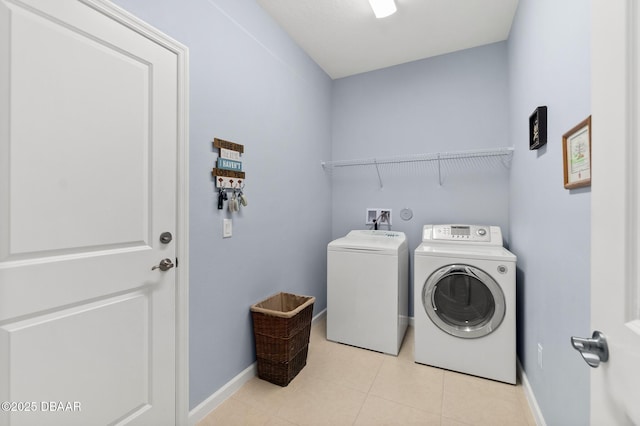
(228, 172)
(576, 154)
(538, 128)
(233, 165)
(221, 143)
(229, 154)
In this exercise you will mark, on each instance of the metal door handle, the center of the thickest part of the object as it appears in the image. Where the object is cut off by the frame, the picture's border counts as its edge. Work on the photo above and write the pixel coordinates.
(165, 265)
(594, 350)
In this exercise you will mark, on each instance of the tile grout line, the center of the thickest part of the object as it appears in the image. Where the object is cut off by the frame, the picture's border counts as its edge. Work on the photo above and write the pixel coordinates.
(385, 361)
(368, 393)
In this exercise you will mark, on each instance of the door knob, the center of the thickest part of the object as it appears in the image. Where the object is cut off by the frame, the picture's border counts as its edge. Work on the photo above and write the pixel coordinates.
(594, 350)
(165, 265)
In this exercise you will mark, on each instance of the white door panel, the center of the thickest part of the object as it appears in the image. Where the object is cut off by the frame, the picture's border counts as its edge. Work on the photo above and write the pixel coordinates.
(109, 330)
(88, 145)
(93, 141)
(615, 228)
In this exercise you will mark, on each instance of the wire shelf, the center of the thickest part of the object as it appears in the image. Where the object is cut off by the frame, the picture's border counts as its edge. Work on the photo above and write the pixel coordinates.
(472, 158)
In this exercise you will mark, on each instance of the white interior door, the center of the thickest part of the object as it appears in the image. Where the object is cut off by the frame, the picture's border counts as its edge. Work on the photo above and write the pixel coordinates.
(88, 149)
(615, 285)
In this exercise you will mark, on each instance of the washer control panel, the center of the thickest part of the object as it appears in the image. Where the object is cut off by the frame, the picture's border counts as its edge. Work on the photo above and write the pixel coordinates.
(471, 233)
(376, 234)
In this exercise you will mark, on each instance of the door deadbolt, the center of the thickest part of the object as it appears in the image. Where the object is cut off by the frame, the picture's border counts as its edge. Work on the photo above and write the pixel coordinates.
(166, 237)
(164, 265)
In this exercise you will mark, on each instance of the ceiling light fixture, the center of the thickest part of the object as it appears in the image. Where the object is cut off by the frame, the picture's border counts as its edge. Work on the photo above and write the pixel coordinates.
(383, 8)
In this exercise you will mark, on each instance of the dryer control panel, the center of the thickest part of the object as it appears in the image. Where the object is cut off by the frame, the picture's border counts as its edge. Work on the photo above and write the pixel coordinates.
(490, 235)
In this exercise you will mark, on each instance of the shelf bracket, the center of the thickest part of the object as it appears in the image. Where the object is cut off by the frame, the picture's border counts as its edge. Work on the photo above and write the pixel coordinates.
(378, 171)
(506, 160)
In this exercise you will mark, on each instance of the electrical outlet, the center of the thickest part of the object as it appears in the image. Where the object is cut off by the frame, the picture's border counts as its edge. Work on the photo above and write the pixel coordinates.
(540, 349)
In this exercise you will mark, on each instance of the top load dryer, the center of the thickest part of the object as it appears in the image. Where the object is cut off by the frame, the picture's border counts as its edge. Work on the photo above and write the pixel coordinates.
(367, 290)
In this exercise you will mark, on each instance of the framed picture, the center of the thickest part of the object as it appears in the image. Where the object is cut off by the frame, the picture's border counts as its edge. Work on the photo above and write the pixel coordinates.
(538, 128)
(576, 154)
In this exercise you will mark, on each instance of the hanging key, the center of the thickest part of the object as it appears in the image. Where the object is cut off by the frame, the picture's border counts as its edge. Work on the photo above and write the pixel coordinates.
(220, 199)
(242, 198)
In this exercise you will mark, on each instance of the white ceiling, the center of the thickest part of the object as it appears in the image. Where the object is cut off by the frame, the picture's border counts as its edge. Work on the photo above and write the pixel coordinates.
(345, 38)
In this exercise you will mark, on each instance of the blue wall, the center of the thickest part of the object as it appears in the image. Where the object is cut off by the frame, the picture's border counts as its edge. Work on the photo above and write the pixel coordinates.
(447, 103)
(252, 85)
(549, 64)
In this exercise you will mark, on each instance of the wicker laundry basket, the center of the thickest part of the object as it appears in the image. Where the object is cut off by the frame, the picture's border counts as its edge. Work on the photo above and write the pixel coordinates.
(281, 327)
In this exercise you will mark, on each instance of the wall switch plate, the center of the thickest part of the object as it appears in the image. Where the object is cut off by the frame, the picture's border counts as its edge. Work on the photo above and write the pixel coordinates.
(384, 216)
(227, 228)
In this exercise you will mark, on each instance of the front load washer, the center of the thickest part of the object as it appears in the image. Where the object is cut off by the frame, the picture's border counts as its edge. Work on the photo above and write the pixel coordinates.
(368, 290)
(465, 301)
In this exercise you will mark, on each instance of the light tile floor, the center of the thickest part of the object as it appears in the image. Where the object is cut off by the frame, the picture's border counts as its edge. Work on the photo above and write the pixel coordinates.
(344, 385)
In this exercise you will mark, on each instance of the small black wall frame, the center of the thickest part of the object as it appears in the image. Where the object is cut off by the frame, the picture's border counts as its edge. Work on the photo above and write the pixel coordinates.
(538, 128)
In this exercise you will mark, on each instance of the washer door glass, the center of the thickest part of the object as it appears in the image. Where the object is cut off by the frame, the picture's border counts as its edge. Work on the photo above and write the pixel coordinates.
(463, 301)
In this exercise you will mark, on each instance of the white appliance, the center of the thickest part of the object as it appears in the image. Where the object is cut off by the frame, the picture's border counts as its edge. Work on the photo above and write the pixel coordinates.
(465, 301)
(368, 290)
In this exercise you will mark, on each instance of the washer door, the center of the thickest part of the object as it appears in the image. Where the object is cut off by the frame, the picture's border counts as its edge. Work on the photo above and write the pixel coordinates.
(463, 301)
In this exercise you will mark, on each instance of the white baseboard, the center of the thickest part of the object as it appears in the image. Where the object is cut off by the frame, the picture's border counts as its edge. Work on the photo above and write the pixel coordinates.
(531, 399)
(221, 395)
(208, 405)
(319, 316)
